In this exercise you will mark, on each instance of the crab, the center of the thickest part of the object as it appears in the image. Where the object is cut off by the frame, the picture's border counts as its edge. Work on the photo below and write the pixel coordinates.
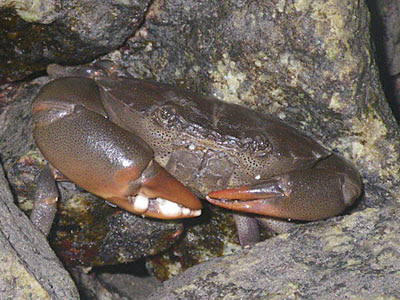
(154, 150)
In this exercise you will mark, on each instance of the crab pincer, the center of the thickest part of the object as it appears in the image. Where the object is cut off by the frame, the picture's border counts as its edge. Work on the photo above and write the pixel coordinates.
(77, 138)
(313, 194)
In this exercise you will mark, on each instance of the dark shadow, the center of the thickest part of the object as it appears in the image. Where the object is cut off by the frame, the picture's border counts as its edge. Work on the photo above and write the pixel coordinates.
(378, 35)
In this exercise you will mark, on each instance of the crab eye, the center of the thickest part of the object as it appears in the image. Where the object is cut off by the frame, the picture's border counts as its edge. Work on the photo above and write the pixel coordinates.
(167, 115)
(259, 144)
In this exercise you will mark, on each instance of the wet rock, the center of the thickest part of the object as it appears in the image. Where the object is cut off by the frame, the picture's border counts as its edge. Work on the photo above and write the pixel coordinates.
(89, 233)
(385, 30)
(36, 33)
(117, 282)
(41, 11)
(29, 268)
(209, 236)
(358, 257)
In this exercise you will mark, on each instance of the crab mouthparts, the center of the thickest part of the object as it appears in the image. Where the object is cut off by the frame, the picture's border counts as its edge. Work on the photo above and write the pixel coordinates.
(163, 207)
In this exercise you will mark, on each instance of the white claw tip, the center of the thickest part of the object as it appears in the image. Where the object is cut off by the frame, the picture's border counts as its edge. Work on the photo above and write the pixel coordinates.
(186, 211)
(196, 213)
(140, 203)
(169, 208)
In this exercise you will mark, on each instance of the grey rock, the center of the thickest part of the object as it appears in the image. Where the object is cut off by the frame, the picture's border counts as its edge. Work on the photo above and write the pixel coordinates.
(40, 11)
(36, 33)
(358, 258)
(387, 29)
(29, 269)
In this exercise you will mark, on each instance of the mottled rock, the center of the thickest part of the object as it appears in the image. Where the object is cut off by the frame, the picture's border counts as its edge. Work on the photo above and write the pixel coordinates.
(36, 33)
(116, 283)
(29, 269)
(386, 29)
(39, 11)
(358, 258)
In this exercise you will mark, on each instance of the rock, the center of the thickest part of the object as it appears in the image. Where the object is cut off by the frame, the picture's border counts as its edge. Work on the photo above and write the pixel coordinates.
(39, 11)
(358, 258)
(29, 268)
(116, 282)
(385, 30)
(36, 33)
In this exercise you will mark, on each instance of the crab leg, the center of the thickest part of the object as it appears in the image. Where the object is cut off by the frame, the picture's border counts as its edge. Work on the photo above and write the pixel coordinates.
(45, 201)
(313, 194)
(247, 228)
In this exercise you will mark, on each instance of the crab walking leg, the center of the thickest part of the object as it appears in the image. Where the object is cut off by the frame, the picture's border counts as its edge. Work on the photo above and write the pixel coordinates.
(45, 202)
(313, 194)
(106, 159)
(247, 228)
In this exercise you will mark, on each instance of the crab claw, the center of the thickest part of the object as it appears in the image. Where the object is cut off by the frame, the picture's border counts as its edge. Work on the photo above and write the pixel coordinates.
(306, 195)
(260, 199)
(159, 195)
(75, 136)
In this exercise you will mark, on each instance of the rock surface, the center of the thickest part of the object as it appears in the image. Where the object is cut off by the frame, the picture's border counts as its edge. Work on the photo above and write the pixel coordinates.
(29, 269)
(36, 33)
(385, 30)
(358, 258)
(386, 26)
